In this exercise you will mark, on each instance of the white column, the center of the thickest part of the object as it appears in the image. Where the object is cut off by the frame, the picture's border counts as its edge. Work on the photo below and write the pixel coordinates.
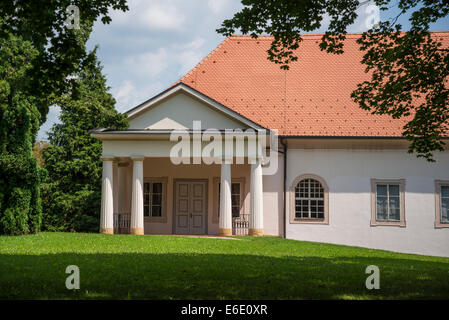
(137, 197)
(107, 201)
(256, 217)
(225, 221)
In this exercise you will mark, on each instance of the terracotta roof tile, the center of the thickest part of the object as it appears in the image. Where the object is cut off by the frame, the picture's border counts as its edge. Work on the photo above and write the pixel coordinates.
(310, 99)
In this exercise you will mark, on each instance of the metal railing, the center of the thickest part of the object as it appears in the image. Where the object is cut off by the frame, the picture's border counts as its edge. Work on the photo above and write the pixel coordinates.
(122, 222)
(240, 225)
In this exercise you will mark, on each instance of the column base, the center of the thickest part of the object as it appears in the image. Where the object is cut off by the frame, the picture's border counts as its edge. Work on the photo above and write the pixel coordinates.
(137, 231)
(225, 232)
(107, 230)
(256, 232)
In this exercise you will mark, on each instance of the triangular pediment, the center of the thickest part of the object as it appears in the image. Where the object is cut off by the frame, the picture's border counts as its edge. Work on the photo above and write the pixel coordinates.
(179, 107)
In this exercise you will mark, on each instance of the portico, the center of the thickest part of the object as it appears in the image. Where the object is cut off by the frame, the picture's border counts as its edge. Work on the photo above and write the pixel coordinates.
(202, 199)
(169, 173)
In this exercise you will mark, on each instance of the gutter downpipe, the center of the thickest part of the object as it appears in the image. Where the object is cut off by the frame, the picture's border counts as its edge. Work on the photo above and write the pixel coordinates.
(284, 145)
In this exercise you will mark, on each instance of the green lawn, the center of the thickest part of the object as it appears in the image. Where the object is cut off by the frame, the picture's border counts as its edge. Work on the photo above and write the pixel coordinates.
(170, 267)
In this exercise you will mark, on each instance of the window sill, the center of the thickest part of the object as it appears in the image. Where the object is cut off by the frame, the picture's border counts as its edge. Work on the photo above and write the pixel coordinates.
(309, 221)
(441, 225)
(388, 224)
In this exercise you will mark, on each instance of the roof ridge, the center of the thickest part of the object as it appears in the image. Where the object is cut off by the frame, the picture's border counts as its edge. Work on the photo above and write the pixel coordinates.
(189, 73)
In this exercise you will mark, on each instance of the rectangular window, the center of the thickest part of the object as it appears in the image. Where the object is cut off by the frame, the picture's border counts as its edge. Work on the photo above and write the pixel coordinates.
(442, 204)
(235, 198)
(388, 202)
(309, 200)
(153, 195)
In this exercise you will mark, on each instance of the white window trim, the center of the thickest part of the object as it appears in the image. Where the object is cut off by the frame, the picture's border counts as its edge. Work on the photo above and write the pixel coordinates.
(163, 217)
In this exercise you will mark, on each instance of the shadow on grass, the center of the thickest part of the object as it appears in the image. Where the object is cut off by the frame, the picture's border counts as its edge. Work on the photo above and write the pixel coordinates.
(216, 276)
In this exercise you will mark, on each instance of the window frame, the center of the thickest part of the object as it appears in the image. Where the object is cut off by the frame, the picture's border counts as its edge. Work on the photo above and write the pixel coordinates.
(163, 217)
(241, 181)
(292, 206)
(399, 223)
(438, 223)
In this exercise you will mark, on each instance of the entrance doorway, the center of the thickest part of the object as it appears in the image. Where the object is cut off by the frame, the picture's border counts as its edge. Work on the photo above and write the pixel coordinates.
(190, 207)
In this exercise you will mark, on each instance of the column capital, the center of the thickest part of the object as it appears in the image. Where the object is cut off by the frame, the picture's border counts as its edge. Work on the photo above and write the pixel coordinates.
(107, 158)
(137, 158)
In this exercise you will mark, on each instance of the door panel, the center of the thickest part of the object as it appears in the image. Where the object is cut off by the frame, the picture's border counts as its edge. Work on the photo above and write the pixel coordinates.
(182, 207)
(190, 207)
(198, 206)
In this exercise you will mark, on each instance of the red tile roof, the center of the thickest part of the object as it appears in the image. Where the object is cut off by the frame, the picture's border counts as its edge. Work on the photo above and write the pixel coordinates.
(310, 99)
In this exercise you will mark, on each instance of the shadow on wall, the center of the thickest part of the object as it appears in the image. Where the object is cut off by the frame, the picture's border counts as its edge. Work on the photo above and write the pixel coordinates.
(217, 276)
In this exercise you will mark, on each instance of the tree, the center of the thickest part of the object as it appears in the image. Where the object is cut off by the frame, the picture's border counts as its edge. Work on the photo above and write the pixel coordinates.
(38, 147)
(19, 122)
(60, 49)
(37, 55)
(72, 198)
(409, 70)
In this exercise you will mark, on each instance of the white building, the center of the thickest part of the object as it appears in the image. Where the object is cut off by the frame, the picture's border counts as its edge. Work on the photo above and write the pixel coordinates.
(339, 174)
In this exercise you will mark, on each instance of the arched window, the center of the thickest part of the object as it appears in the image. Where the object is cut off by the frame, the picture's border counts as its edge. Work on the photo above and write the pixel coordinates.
(309, 200)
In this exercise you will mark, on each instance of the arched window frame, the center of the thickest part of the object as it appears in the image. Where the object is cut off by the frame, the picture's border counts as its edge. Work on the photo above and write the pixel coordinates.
(293, 218)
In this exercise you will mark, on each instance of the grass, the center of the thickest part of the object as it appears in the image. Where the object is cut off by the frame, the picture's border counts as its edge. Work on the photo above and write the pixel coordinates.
(170, 267)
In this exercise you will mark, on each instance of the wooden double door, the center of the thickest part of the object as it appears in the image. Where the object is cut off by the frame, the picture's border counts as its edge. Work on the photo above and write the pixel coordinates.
(190, 207)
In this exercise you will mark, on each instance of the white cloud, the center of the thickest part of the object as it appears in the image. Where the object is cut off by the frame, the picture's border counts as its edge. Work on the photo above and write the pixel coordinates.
(148, 69)
(149, 64)
(128, 95)
(189, 55)
(182, 57)
(196, 44)
(149, 15)
(217, 5)
(125, 92)
(162, 17)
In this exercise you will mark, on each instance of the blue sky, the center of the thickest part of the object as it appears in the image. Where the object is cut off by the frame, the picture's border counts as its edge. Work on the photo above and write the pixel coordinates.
(149, 47)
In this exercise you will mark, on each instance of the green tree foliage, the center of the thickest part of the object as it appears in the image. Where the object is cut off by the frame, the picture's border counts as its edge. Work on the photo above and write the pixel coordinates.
(72, 198)
(38, 53)
(20, 209)
(61, 49)
(409, 70)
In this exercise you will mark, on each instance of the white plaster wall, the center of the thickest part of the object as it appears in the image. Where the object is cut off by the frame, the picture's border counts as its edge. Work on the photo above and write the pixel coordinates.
(179, 112)
(348, 174)
(273, 201)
